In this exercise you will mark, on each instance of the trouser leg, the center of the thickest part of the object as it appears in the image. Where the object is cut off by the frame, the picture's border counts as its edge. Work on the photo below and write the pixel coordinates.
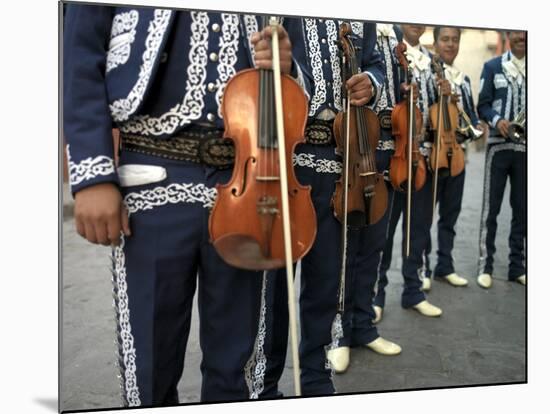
(276, 332)
(496, 171)
(414, 266)
(319, 279)
(450, 204)
(232, 322)
(395, 209)
(518, 202)
(154, 280)
(365, 275)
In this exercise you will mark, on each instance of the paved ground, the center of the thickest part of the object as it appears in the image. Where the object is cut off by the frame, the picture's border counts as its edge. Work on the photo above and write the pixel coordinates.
(480, 338)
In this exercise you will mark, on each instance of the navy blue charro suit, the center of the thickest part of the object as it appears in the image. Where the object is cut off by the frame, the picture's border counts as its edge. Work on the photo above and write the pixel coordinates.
(414, 267)
(319, 166)
(450, 191)
(156, 74)
(502, 96)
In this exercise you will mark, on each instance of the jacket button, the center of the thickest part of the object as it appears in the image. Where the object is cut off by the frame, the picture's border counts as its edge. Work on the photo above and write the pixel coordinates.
(163, 57)
(323, 40)
(211, 87)
(213, 57)
(216, 27)
(210, 117)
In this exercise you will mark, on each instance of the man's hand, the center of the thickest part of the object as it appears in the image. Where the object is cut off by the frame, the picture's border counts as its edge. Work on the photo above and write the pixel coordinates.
(502, 126)
(262, 49)
(445, 87)
(100, 214)
(360, 88)
(405, 88)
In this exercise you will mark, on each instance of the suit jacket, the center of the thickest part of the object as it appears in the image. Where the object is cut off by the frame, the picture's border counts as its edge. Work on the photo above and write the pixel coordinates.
(501, 95)
(149, 71)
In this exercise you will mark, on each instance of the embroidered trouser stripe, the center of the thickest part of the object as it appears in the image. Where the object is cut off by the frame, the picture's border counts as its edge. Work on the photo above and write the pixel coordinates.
(255, 368)
(125, 340)
(503, 160)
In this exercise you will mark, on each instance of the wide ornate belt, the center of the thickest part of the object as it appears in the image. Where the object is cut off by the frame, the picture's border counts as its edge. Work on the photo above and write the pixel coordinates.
(384, 118)
(204, 146)
(319, 132)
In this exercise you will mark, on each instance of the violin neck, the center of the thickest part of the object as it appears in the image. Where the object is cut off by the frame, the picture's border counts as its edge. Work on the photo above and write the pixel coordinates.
(267, 130)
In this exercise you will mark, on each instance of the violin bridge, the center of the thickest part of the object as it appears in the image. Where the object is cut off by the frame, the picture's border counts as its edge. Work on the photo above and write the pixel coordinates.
(267, 178)
(367, 174)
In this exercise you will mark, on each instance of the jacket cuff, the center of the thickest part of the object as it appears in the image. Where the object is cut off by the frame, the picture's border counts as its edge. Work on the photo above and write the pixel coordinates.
(495, 120)
(90, 171)
(377, 90)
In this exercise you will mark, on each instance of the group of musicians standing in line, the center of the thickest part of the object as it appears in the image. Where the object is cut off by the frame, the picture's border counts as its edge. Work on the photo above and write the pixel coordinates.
(159, 76)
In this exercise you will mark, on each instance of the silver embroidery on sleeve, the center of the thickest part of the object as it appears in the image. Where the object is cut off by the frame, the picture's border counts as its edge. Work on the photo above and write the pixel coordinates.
(121, 109)
(89, 168)
(357, 28)
(497, 105)
(319, 87)
(386, 44)
(332, 37)
(229, 43)
(125, 339)
(192, 105)
(486, 195)
(320, 165)
(251, 27)
(254, 370)
(123, 33)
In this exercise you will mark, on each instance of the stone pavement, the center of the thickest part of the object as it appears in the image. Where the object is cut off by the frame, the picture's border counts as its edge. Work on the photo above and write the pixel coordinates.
(480, 338)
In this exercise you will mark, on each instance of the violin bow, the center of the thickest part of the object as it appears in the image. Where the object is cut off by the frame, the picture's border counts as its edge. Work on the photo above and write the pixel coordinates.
(439, 70)
(285, 204)
(409, 172)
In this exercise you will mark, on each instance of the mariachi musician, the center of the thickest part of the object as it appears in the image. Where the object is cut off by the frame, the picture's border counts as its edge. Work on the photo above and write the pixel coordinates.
(451, 188)
(414, 265)
(161, 80)
(502, 105)
(317, 164)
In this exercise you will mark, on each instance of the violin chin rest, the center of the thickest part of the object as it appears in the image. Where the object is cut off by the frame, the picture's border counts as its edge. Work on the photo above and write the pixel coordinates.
(244, 252)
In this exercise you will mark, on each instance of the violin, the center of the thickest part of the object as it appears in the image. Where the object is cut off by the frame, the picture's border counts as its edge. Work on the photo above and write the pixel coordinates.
(246, 222)
(447, 155)
(360, 198)
(407, 165)
(406, 119)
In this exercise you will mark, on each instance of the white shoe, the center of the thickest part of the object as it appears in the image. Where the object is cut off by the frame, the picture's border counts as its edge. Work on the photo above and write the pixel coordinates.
(427, 309)
(378, 311)
(522, 279)
(339, 358)
(426, 284)
(485, 280)
(384, 347)
(456, 280)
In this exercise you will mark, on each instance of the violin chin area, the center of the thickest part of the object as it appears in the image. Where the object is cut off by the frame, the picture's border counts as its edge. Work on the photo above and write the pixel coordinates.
(245, 252)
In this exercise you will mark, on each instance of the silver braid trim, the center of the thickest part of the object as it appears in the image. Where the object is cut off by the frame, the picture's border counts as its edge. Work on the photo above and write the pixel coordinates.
(486, 197)
(254, 370)
(125, 339)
